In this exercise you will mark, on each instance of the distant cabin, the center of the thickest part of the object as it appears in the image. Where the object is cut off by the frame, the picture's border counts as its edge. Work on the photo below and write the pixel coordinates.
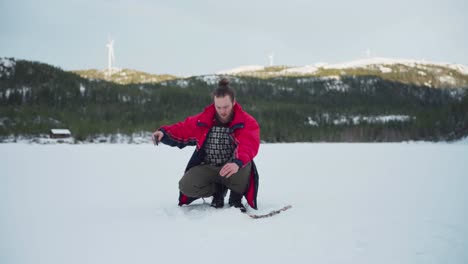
(60, 133)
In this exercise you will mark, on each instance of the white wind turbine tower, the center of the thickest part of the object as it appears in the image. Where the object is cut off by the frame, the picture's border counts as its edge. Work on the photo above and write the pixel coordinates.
(271, 57)
(110, 55)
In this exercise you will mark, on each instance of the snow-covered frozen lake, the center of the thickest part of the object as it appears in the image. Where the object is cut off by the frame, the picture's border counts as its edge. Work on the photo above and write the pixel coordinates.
(352, 203)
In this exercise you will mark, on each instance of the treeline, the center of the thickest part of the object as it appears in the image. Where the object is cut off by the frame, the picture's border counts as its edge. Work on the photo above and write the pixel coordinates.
(36, 97)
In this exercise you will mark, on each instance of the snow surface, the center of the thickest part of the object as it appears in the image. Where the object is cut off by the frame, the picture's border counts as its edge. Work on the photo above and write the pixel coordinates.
(6, 66)
(458, 67)
(356, 120)
(352, 203)
(372, 61)
(389, 61)
(301, 70)
(243, 69)
(82, 89)
(362, 63)
(209, 79)
(447, 79)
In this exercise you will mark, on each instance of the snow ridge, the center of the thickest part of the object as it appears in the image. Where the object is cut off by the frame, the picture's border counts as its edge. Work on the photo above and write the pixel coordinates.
(6, 66)
(243, 69)
(378, 62)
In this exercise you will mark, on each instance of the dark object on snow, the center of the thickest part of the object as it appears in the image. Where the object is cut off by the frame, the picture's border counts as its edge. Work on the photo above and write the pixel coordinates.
(155, 140)
(59, 133)
(218, 196)
(235, 199)
(270, 214)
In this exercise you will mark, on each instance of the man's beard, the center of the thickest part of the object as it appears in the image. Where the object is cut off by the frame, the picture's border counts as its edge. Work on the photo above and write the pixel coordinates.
(224, 121)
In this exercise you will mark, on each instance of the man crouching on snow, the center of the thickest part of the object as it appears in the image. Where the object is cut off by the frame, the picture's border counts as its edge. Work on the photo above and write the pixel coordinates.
(227, 139)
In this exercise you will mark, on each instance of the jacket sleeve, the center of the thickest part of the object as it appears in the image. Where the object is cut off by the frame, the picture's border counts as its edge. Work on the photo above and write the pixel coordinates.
(248, 142)
(180, 134)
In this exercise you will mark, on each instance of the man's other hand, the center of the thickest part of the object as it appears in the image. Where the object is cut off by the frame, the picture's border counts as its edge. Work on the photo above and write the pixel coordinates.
(229, 169)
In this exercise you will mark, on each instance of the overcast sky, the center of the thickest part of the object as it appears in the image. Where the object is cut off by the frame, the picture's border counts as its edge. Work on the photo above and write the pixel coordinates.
(206, 36)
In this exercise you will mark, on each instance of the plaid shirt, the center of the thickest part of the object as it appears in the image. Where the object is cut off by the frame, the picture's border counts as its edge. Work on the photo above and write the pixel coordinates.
(219, 146)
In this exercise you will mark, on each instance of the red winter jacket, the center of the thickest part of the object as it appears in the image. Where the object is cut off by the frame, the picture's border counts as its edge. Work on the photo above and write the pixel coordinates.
(193, 131)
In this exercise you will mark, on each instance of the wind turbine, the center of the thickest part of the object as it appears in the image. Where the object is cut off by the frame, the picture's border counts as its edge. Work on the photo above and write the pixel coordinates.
(110, 55)
(271, 57)
(368, 53)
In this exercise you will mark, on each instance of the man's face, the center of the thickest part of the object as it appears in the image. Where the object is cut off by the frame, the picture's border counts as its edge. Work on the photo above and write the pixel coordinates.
(224, 107)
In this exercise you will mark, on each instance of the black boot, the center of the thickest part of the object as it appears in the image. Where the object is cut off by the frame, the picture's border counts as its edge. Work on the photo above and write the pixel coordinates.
(218, 196)
(235, 199)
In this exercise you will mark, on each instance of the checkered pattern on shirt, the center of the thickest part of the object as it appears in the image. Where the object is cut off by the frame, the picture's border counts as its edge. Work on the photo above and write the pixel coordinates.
(219, 146)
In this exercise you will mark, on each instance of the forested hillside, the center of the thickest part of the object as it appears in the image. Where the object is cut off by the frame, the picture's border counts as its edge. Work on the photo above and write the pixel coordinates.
(35, 97)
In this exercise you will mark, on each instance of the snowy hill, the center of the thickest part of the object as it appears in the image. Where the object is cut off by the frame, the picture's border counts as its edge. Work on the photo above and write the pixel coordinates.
(124, 76)
(242, 69)
(430, 74)
(336, 104)
(363, 63)
(352, 203)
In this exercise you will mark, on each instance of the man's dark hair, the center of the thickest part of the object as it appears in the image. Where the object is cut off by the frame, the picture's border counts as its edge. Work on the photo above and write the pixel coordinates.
(224, 89)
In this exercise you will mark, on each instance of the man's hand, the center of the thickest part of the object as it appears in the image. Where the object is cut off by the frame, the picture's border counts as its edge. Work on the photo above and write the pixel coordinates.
(229, 169)
(157, 136)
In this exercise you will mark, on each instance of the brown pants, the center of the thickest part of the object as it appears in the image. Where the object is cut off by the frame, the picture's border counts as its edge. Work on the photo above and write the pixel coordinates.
(200, 180)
